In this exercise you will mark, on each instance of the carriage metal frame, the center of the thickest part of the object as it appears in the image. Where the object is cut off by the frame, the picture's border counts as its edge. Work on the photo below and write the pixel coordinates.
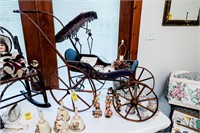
(133, 91)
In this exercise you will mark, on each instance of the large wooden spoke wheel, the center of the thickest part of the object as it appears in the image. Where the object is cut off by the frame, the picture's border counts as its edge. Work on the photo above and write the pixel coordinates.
(139, 103)
(143, 75)
(76, 88)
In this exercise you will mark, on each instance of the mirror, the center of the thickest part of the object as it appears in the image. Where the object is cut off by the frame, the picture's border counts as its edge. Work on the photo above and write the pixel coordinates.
(181, 13)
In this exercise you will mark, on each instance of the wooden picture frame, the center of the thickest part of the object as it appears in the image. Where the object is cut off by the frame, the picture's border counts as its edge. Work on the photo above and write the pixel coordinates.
(167, 21)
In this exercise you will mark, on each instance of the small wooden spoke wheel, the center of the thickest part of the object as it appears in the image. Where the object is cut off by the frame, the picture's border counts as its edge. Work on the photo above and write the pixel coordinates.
(139, 103)
(76, 88)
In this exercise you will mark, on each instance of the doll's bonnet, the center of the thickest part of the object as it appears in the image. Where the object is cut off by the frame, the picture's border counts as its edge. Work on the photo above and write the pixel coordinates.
(7, 40)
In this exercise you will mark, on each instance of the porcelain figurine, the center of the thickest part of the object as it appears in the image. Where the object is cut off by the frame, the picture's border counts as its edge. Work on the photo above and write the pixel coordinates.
(108, 111)
(97, 112)
(110, 93)
(77, 123)
(97, 98)
(42, 125)
(118, 102)
(64, 112)
(58, 121)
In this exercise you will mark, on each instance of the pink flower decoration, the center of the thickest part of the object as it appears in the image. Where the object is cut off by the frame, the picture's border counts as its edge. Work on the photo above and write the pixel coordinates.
(198, 92)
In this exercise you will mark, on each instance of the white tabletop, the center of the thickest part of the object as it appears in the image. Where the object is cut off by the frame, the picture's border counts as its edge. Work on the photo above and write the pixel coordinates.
(115, 124)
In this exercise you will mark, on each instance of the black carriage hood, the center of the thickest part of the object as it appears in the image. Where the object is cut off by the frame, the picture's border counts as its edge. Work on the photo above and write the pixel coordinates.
(74, 25)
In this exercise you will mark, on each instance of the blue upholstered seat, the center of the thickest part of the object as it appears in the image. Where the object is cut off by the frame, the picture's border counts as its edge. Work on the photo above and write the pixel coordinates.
(71, 55)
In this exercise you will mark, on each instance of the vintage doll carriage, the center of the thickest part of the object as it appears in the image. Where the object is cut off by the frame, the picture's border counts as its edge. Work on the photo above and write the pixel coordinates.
(133, 96)
(15, 72)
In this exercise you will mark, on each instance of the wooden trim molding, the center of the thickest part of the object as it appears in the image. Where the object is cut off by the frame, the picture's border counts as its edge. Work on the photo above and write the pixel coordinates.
(129, 27)
(135, 29)
(37, 46)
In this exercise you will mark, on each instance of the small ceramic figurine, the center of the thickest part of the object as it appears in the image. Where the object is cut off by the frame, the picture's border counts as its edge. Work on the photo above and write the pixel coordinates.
(118, 102)
(97, 98)
(108, 100)
(58, 121)
(110, 93)
(77, 123)
(63, 111)
(108, 111)
(97, 112)
(42, 125)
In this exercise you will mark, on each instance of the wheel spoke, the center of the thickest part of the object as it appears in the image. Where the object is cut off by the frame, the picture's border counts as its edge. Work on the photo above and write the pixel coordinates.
(82, 79)
(79, 76)
(146, 108)
(125, 104)
(88, 91)
(81, 83)
(64, 96)
(61, 80)
(151, 90)
(135, 90)
(60, 89)
(124, 97)
(140, 92)
(145, 79)
(102, 82)
(83, 101)
(148, 99)
(130, 92)
(138, 113)
(128, 111)
(141, 74)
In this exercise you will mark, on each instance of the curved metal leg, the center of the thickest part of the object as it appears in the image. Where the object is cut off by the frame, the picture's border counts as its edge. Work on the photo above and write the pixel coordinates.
(27, 92)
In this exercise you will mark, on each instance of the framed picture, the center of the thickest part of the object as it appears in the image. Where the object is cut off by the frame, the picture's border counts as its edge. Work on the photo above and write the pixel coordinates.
(184, 122)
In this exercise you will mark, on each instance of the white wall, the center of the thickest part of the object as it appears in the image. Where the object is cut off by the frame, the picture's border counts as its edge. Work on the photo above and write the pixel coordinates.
(174, 47)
